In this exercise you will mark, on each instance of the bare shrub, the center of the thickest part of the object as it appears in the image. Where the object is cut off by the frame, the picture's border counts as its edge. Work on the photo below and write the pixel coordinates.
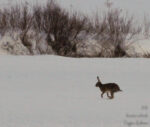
(16, 18)
(51, 19)
(3, 20)
(38, 18)
(146, 27)
(25, 24)
(115, 28)
(57, 22)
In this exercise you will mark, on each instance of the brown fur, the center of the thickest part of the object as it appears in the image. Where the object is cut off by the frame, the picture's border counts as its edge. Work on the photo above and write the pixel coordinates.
(108, 88)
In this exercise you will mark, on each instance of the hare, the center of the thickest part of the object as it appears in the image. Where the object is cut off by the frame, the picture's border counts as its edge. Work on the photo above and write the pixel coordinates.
(107, 88)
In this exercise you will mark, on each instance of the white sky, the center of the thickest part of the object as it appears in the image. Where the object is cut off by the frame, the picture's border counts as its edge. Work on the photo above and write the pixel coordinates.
(136, 7)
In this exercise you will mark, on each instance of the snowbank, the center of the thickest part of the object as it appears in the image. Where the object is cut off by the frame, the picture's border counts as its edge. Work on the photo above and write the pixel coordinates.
(139, 48)
(88, 45)
(11, 43)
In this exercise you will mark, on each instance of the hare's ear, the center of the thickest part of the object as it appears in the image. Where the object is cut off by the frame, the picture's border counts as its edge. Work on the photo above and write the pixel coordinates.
(98, 79)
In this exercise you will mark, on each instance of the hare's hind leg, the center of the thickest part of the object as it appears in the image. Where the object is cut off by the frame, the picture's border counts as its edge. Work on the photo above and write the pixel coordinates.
(108, 94)
(112, 95)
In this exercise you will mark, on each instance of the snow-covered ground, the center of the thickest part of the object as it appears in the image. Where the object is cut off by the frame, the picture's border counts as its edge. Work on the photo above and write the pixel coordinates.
(50, 91)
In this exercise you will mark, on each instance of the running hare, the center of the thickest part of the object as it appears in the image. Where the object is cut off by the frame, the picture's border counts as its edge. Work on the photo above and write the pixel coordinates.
(108, 88)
